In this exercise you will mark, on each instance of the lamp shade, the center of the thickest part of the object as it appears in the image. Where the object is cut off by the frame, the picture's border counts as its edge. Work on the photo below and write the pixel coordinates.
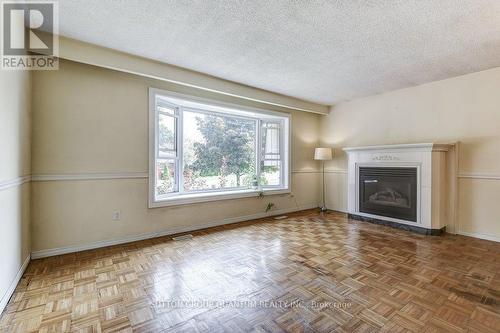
(323, 154)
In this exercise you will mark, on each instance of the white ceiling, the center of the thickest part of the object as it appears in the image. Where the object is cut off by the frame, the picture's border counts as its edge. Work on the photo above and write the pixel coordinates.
(321, 51)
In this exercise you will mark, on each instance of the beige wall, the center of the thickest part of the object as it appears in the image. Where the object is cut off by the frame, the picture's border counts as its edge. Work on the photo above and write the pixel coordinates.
(465, 109)
(15, 162)
(93, 120)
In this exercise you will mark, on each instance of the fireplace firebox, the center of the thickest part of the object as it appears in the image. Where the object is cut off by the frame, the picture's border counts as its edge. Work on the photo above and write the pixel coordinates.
(389, 191)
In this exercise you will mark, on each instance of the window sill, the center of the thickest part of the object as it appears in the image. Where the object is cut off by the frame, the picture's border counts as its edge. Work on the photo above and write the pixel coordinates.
(186, 199)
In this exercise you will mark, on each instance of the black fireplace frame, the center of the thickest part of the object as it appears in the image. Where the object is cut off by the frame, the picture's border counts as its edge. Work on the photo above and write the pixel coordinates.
(411, 214)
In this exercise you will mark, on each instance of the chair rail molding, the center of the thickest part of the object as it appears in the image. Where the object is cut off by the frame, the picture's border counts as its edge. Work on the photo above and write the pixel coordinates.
(18, 181)
(89, 176)
(124, 175)
(473, 175)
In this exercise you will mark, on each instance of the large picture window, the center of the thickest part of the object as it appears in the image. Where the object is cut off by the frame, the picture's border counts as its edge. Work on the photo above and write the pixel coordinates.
(203, 150)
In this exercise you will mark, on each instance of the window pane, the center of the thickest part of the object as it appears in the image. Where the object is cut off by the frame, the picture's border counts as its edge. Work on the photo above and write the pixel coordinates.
(219, 152)
(164, 107)
(270, 139)
(165, 177)
(270, 173)
(270, 167)
(166, 135)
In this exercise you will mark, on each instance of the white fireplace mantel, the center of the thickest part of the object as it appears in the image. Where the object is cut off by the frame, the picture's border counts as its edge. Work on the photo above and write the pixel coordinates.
(406, 147)
(430, 159)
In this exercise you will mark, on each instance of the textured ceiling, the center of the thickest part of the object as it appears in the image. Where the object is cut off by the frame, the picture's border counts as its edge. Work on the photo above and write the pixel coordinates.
(321, 51)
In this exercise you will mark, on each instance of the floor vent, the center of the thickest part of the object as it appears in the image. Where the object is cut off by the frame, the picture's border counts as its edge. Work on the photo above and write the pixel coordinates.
(183, 237)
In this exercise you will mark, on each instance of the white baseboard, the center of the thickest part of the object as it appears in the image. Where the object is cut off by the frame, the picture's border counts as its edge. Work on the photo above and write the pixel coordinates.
(340, 210)
(171, 231)
(480, 236)
(6, 297)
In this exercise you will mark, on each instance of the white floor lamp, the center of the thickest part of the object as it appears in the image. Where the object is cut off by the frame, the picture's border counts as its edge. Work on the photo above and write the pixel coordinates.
(323, 154)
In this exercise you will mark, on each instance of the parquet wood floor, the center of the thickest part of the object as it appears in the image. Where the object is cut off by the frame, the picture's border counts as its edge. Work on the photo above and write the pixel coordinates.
(318, 273)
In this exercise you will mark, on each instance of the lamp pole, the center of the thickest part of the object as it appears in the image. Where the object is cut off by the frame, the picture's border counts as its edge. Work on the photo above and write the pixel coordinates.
(323, 154)
(323, 208)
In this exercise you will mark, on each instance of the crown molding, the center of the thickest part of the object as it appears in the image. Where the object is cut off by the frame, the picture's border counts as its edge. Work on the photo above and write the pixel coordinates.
(78, 51)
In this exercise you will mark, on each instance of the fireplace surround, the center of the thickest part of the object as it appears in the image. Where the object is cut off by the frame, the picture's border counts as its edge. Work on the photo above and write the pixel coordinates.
(408, 186)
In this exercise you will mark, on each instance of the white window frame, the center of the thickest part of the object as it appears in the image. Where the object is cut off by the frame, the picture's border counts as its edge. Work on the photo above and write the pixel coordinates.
(177, 198)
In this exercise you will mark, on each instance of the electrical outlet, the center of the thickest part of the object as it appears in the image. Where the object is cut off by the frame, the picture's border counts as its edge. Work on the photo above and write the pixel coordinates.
(116, 216)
